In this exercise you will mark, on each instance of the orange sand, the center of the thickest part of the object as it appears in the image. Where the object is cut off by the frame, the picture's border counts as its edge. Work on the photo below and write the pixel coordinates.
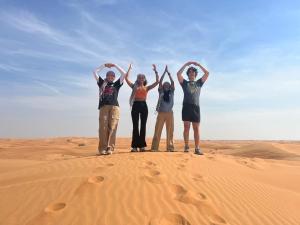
(60, 181)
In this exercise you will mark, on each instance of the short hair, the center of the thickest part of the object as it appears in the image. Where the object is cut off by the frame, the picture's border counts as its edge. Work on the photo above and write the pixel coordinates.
(110, 72)
(143, 75)
(192, 69)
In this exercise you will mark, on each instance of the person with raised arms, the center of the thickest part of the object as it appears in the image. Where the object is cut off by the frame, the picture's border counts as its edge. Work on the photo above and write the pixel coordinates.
(191, 107)
(139, 109)
(109, 112)
(165, 112)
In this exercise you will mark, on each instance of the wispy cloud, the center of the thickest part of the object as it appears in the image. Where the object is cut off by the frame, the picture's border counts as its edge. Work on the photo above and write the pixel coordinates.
(29, 23)
(48, 87)
(11, 68)
(254, 69)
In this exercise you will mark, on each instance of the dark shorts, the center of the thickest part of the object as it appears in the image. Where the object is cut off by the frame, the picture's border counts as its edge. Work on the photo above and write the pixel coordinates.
(191, 113)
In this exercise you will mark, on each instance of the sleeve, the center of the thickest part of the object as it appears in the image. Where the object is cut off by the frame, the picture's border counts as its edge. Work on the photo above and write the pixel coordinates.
(200, 82)
(183, 84)
(118, 84)
(100, 82)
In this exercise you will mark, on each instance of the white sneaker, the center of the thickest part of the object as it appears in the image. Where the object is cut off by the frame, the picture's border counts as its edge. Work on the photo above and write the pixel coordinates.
(103, 152)
(134, 150)
(198, 151)
(109, 151)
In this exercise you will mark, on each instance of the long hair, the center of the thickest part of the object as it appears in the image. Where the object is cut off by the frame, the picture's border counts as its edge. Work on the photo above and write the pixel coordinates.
(134, 87)
(132, 96)
(163, 96)
(143, 75)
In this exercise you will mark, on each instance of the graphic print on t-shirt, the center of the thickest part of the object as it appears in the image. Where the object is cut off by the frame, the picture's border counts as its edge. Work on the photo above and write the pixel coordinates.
(192, 87)
(110, 93)
(191, 91)
(109, 90)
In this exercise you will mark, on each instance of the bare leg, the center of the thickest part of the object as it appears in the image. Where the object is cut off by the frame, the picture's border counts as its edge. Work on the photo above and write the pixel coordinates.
(196, 128)
(186, 132)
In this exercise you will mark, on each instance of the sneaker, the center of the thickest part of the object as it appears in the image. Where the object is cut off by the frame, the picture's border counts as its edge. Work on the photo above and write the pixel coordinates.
(142, 149)
(171, 149)
(134, 150)
(109, 151)
(186, 148)
(198, 151)
(103, 152)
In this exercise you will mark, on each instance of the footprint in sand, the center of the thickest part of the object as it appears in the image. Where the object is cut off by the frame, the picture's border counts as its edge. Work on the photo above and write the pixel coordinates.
(184, 196)
(88, 184)
(110, 164)
(211, 157)
(96, 179)
(185, 160)
(154, 173)
(202, 196)
(170, 219)
(102, 168)
(198, 177)
(181, 167)
(154, 176)
(251, 164)
(55, 207)
(150, 163)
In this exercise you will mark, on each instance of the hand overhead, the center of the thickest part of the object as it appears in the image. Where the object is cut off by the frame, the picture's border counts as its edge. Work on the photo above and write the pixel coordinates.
(109, 65)
(154, 68)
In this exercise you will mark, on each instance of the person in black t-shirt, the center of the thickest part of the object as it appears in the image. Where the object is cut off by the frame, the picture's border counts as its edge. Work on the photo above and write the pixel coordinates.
(108, 107)
(191, 109)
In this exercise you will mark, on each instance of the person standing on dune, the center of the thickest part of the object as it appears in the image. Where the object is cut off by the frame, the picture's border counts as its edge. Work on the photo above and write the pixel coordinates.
(108, 107)
(139, 109)
(165, 113)
(191, 108)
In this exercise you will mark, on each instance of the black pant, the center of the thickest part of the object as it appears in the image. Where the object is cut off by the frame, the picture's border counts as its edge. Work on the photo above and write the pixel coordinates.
(139, 109)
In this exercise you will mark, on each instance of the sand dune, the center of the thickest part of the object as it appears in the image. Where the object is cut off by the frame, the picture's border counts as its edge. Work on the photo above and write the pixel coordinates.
(62, 181)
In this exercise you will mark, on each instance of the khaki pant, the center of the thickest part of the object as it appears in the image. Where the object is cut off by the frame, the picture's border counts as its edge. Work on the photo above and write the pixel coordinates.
(108, 122)
(162, 118)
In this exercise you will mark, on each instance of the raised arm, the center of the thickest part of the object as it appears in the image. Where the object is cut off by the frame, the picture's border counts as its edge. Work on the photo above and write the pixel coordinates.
(171, 78)
(130, 84)
(206, 73)
(180, 71)
(161, 79)
(157, 79)
(97, 70)
(122, 72)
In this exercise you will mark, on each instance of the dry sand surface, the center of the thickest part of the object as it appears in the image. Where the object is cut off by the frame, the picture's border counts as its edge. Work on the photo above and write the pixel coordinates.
(61, 181)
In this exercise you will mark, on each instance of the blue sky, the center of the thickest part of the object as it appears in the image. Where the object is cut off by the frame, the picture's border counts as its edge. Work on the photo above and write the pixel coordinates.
(49, 49)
